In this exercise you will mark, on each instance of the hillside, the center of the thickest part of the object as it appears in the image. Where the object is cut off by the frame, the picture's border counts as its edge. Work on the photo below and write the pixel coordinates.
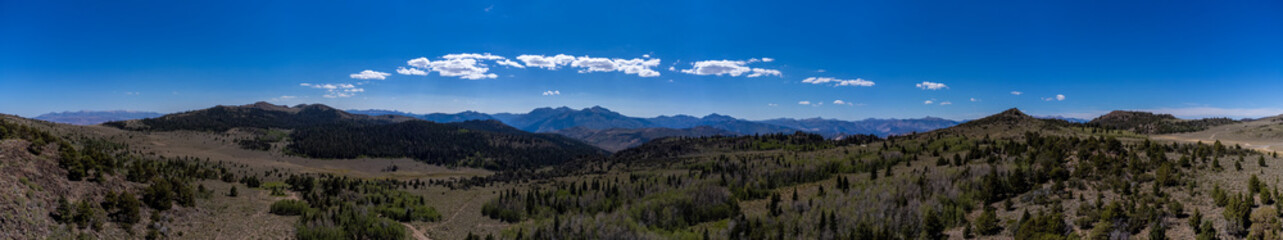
(1006, 176)
(319, 131)
(1149, 123)
(616, 139)
(258, 115)
(1261, 134)
(479, 144)
(94, 117)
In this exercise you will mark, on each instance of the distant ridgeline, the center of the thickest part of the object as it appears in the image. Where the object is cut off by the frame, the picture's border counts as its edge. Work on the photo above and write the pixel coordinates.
(614, 132)
(94, 117)
(322, 132)
(583, 122)
(1149, 123)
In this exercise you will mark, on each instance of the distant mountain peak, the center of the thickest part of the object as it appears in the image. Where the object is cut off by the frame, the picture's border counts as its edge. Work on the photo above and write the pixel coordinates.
(719, 117)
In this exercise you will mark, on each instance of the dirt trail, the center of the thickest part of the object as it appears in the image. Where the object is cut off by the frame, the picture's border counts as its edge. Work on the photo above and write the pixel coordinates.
(415, 233)
(456, 212)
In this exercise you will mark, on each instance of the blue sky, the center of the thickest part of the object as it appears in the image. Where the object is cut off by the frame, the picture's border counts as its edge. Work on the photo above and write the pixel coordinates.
(883, 59)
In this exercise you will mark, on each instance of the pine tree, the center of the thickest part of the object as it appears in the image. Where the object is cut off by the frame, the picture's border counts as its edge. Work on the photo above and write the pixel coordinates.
(1157, 231)
(987, 223)
(932, 225)
(232, 193)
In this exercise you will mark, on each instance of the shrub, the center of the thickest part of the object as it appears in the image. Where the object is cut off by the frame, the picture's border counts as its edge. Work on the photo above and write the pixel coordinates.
(289, 207)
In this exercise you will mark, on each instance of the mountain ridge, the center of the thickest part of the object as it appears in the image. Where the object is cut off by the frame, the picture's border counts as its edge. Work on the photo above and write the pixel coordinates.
(552, 119)
(85, 117)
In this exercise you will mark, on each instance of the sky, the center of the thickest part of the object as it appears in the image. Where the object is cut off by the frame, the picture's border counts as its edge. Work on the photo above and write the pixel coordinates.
(749, 59)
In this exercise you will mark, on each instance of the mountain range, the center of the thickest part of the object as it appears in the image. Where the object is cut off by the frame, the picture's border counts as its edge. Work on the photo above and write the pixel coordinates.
(94, 117)
(599, 118)
(596, 125)
(319, 131)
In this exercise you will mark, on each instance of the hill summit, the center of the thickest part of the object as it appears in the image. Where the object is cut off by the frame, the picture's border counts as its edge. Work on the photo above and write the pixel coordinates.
(1150, 123)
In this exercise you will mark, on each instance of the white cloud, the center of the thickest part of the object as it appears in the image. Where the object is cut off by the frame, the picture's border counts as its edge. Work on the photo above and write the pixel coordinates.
(645, 55)
(975, 100)
(637, 66)
(546, 62)
(765, 59)
(281, 98)
(341, 90)
(370, 74)
(482, 56)
(931, 85)
(840, 102)
(458, 65)
(470, 66)
(928, 102)
(1058, 97)
(838, 82)
(804, 102)
(758, 72)
(728, 67)
(821, 71)
(771, 105)
(551, 92)
(1017, 93)
(411, 71)
(510, 63)
(946, 103)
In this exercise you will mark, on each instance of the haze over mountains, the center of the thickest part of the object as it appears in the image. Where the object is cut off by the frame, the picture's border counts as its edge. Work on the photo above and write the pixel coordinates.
(599, 118)
(94, 117)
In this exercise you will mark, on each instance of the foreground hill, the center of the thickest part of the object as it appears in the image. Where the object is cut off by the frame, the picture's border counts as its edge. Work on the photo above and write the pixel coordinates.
(1006, 176)
(94, 117)
(616, 139)
(319, 131)
(1149, 123)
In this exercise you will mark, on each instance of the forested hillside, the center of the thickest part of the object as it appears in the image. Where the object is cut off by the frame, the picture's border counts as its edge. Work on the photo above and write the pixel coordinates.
(1004, 176)
(319, 131)
(1149, 123)
(483, 144)
(259, 115)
